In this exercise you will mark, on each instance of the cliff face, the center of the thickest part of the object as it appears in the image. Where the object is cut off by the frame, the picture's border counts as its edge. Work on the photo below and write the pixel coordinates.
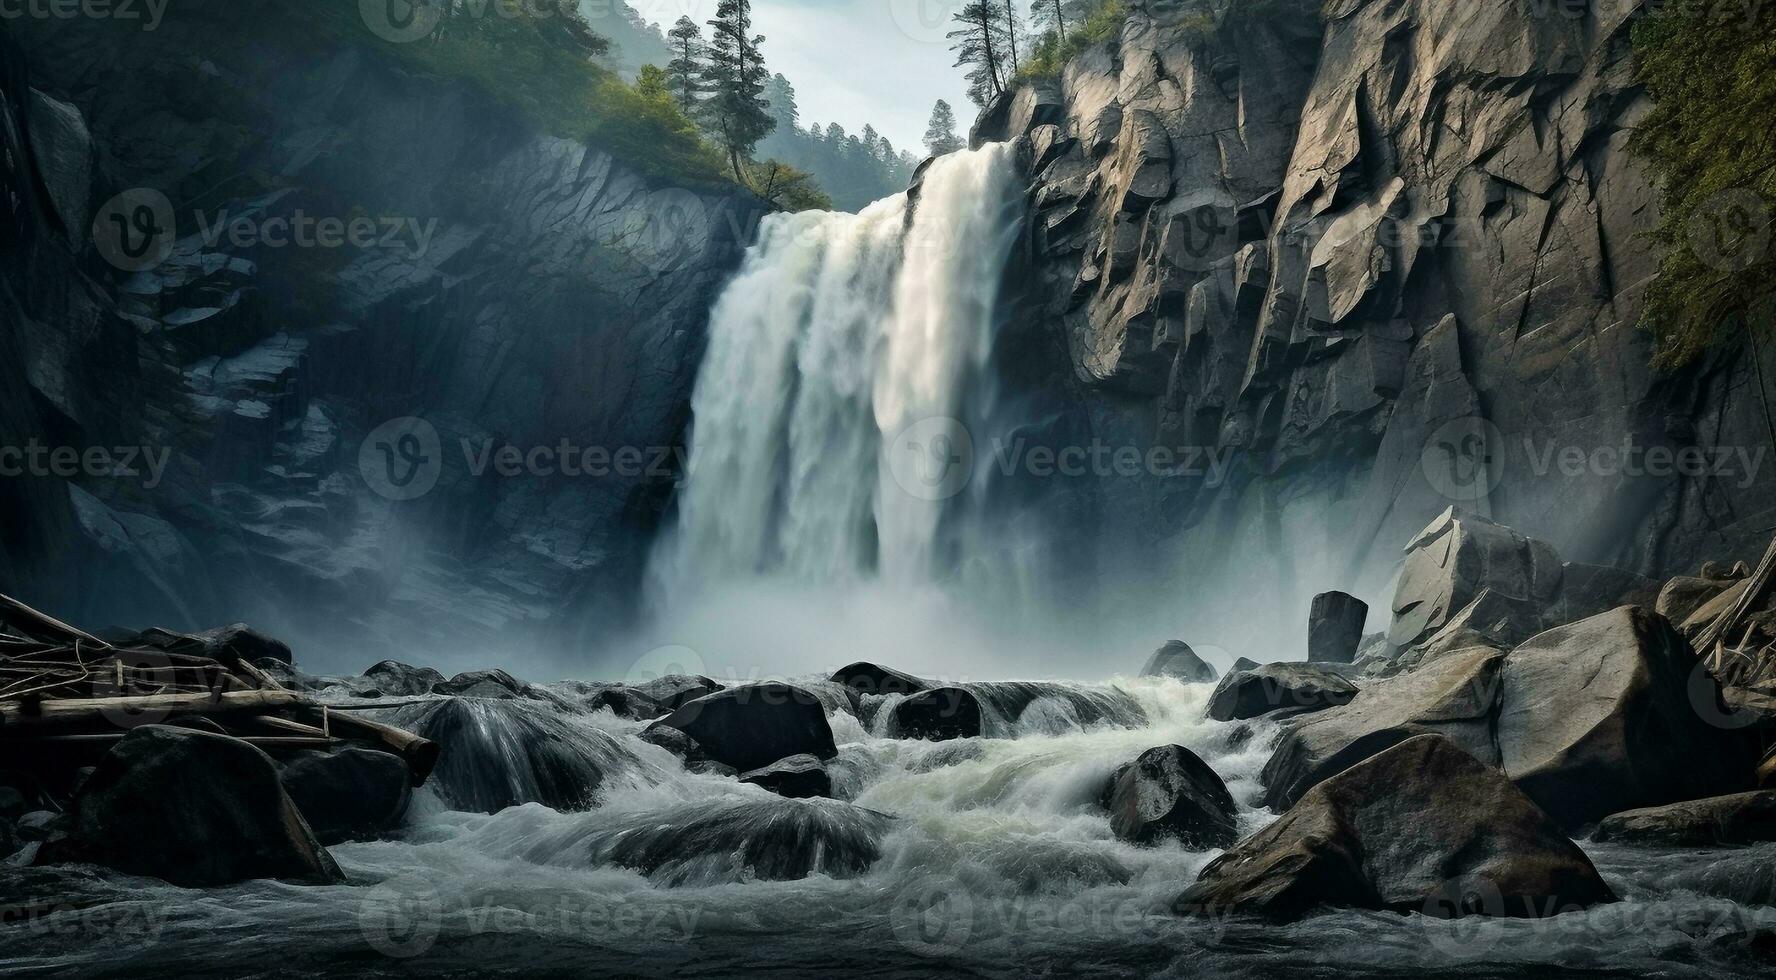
(344, 245)
(1372, 266)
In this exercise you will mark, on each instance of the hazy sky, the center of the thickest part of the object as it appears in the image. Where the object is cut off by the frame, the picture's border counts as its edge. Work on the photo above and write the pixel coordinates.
(883, 62)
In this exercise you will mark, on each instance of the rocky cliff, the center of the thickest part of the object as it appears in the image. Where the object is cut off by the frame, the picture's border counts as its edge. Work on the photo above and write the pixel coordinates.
(1361, 263)
(341, 244)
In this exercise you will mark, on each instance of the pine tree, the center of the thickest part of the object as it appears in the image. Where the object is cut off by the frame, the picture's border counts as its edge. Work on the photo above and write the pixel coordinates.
(1011, 35)
(684, 72)
(781, 96)
(980, 46)
(1055, 15)
(735, 77)
(940, 135)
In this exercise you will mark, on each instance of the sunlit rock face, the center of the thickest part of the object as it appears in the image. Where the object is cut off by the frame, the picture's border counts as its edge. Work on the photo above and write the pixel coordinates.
(1373, 263)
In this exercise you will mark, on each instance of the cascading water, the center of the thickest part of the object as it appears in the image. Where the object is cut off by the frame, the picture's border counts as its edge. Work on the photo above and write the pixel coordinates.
(843, 339)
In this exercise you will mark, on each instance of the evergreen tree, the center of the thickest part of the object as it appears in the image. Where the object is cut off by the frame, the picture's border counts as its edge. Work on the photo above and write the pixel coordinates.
(782, 97)
(735, 77)
(980, 47)
(870, 139)
(684, 72)
(1055, 15)
(940, 135)
(1011, 35)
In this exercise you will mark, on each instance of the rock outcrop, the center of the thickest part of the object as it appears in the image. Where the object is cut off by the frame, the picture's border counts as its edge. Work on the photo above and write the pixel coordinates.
(1176, 659)
(1335, 627)
(1281, 690)
(350, 794)
(1742, 818)
(1369, 259)
(938, 715)
(1423, 827)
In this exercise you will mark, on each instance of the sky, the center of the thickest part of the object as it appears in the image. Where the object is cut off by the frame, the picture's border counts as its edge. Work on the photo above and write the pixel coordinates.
(882, 62)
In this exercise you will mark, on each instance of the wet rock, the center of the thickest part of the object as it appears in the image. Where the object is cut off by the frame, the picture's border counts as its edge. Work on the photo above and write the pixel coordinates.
(395, 679)
(1742, 818)
(1168, 792)
(734, 840)
(673, 690)
(753, 725)
(1597, 717)
(1422, 827)
(39, 825)
(797, 777)
(63, 148)
(1286, 689)
(225, 643)
(868, 678)
(348, 794)
(482, 684)
(495, 754)
(195, 809)
(1177, 660)
(1335, 628)
(1454, 697)
(938, 715)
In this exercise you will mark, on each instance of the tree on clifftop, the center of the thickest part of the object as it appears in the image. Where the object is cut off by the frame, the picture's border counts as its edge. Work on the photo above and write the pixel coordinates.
(735, 76)
(940, 135)
(684, 72)
(980, 45)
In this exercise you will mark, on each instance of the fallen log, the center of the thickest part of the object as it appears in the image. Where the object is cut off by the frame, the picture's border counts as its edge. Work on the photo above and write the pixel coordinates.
(28, 714)
(1711, 641)
(262, 741)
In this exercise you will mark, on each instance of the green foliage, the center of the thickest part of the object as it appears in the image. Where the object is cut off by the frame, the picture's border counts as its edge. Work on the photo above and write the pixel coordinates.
(1050, 54)
(1709, 140)
(544, 67)
(940, 134)
(783, 186)
(735, 77)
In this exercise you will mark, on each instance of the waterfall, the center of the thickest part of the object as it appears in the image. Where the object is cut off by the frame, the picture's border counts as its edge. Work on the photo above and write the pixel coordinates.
(831, 416)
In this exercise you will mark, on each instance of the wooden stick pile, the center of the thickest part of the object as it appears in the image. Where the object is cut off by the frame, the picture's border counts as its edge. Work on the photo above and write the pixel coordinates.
(61, 686)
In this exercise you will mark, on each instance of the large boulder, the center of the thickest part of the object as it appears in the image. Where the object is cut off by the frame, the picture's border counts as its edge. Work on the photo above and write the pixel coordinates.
(753, 725)
(1742, 818)
(351, 794)
(1454, 697)
(1177, 660)
(939, 714)
(699, 841)
(1422, 827)
(798, 777)
(482, 684)
(501, 753)
(192, 808)
(1451, 561)
(391, 677)
(673, 690)
(867, 678)
(1335, 627)
(1597, 717)
(1287, 688)
(1169, 792)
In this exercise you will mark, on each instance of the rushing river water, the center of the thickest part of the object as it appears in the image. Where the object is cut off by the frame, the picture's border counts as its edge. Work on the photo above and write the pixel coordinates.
(985, 856)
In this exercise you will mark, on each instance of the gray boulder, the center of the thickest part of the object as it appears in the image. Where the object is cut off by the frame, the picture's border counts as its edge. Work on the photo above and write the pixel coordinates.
(1742, 818)
(1177, 660)
(1457, 557)
(1286, 689)
(1454, 697)
(1335, 627)
(938, 715)
(1169, 792)
(673, 690)
(191, 808)
(350, 794)
(1597, 717)
(751, 726)
(867, 678)
(798, 777)
(482, 684)
(391, 677)
(1422, 827)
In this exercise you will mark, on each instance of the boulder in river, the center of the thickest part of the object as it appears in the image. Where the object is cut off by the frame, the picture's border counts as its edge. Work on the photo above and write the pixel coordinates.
(798, 777)
(673, 690)
(1335, 627)
(192, 808)
(351, 794)
(395, 679)
(1169, 792)
(706, 841)
(1423, 827)
(1287, 688)
(1741, 818)
(1608, 714)
(938, 715)
(1177, 660)
(1454, 696)
(495, 754)
(867, 678)
(753, 725)
(482, 684)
